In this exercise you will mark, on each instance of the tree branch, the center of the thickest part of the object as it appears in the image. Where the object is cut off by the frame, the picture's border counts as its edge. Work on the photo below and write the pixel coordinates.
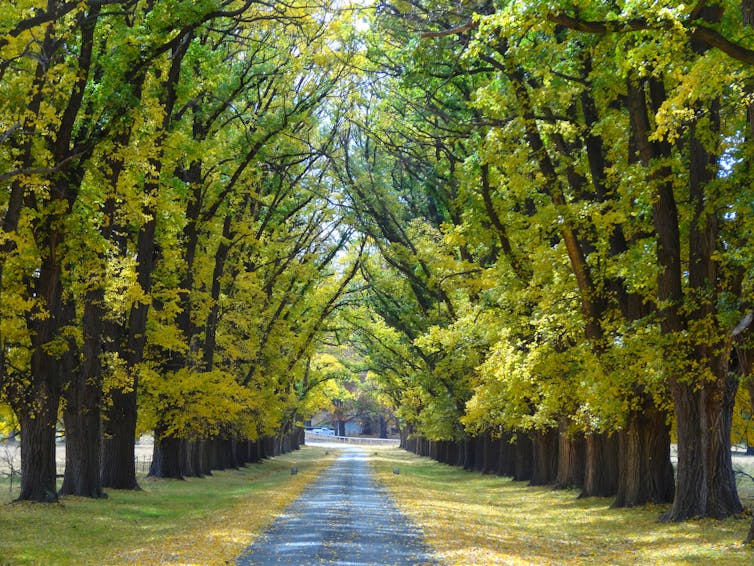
(454, 31)
(705, 34)
(596, 27)
(40, 170)
(716, 39)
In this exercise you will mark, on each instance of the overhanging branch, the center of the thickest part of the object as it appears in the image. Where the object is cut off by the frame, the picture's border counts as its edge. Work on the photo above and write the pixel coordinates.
(453, 31)
(711, 37)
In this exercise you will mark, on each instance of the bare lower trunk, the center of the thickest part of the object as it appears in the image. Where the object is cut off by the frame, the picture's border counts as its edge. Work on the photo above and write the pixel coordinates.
(167, 457)
(506, 457)
(571, 457)
(545, 467)
(468, 453)
(38, 448)
(193, 454)
(119, 442)
(705, 483)
(478, 453)
(83, 402)
(524, 464)
(83, 451)
(601, 469)
(718, 405)
(645, 471)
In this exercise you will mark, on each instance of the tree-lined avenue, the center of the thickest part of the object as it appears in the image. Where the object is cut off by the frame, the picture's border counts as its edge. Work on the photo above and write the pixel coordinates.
(523, 229)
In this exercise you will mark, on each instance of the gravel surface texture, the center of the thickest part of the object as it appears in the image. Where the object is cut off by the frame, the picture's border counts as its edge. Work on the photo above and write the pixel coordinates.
(343, 518)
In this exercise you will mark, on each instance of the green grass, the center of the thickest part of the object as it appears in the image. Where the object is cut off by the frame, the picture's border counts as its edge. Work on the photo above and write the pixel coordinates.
(196, 521)
(469, 518)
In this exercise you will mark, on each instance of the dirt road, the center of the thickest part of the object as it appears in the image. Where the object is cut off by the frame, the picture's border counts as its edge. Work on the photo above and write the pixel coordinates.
(344, 518)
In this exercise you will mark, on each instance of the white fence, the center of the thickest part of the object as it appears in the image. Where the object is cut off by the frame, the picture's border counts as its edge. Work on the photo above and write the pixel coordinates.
(359, 440)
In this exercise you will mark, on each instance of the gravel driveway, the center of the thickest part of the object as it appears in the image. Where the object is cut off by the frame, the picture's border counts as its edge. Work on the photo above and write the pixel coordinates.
(343, 518)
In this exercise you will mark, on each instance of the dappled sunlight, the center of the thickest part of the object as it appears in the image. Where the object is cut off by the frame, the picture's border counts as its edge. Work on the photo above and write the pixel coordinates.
(220, 538)
(197, 521)
(469, 518)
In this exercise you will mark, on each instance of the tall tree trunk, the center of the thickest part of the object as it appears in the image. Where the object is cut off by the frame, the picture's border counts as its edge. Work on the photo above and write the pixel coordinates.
(37, 406)
(545, 451)
(119, 441)
(210, 333)
(36, 403)
(646, 472)
(571, 457)
(706, 483)
(167, 457)
(83, 402)
(120, 429)
(524, 464)
(601, 470)
(507, 457)
(118, 468)
(37, 424)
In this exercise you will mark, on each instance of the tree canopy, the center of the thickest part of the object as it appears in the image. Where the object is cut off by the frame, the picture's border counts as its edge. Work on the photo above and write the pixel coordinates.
(526, 225)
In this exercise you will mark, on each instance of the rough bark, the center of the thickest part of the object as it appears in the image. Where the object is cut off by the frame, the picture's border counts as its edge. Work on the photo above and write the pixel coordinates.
(469, 457)
(545, 462)
(703, 407)
(37, 407)
(119, 441)
(645, 471)
(705, 484)
(705, 468)
(83, 402)
(210, 333)
(36, 402)
(38, 446)
(507, 456)
(524, 464)
(83, 425)
(571, 457)
(601, 470)
(167, 457)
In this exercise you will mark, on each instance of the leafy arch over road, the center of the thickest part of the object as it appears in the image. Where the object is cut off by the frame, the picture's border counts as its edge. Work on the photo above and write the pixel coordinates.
(570, 187)
(530, 225)
(166, 243)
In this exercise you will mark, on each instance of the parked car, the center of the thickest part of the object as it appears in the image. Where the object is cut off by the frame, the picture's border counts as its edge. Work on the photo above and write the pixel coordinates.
(324, 431)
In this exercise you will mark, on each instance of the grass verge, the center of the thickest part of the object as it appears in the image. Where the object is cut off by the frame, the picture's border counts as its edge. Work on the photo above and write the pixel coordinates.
(196, 521)
(469, 518)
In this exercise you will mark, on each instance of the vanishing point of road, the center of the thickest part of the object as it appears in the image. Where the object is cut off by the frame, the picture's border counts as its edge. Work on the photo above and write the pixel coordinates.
(343, 518)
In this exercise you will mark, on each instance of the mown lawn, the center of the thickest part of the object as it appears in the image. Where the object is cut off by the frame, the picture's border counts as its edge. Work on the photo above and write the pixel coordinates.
(196, 521)
(469, 518)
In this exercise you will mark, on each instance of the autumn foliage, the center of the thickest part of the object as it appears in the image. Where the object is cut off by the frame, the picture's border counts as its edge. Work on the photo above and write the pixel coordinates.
(529, 224)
